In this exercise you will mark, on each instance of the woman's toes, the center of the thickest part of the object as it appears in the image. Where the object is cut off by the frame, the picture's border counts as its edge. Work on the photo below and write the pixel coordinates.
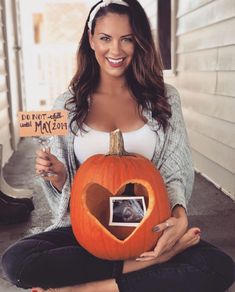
(188, 235)
(194, 231)
(191, 237)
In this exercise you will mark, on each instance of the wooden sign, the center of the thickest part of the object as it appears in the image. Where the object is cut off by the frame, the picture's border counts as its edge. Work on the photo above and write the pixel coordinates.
(43, 123)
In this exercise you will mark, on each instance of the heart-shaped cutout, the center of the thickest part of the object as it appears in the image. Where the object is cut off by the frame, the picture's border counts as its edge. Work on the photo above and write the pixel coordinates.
(97, 202)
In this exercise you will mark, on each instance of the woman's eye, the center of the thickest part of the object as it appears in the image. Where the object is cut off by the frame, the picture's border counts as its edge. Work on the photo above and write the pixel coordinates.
(105, 39)
(130, 40)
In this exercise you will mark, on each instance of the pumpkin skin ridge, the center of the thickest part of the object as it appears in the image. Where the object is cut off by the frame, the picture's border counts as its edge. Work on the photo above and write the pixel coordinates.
(151, 180)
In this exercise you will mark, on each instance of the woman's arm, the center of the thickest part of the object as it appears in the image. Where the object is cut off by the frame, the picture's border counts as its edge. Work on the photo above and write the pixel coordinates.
(48, 163)
(57, 189)
(176, 167)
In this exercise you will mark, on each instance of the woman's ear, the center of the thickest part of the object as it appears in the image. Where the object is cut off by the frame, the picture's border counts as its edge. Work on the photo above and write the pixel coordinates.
(91, 40)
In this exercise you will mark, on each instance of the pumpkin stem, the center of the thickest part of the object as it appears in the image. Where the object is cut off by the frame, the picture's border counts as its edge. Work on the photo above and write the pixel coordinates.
(116, 144)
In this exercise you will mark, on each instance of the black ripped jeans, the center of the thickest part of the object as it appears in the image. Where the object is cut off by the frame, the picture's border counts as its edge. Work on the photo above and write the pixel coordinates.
(54, 259)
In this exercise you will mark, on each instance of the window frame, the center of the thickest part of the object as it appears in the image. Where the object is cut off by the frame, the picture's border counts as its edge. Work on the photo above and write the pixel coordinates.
(172, 71)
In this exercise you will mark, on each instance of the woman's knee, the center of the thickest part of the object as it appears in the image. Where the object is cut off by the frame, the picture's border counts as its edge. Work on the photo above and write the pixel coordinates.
(225, 268)
(15, 257)
(220, 266)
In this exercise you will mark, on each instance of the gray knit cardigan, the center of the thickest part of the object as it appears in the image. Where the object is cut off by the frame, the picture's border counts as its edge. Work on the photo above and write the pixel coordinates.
(172, 157)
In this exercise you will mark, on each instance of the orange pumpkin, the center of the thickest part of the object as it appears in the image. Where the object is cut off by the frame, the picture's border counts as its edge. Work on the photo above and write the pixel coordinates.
(103, 176)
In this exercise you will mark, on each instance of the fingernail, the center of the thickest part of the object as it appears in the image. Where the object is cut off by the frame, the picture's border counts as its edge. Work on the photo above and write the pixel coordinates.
(156, 229)
(197, 232)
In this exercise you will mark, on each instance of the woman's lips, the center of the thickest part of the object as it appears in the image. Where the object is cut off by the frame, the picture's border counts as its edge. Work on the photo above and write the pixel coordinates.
(116, 62)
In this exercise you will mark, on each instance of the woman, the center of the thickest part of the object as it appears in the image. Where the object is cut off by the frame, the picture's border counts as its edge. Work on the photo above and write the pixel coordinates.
(119, 84)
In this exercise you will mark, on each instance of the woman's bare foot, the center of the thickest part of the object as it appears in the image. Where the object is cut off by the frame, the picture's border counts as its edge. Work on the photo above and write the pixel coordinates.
(109, 285)
(37, 289)
(190, 238)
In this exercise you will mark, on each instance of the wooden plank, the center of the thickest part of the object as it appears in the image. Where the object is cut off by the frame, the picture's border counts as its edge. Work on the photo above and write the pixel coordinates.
(217, 174)
(1, 32)
(226, 58)
(197, 81)
(226, 83)
(213, 150)
(4, 117)
(185, 7)
(217, 35)
(3, 100)
(3, 83)
(216, 106)
(198, 61)
(2, 67)
(7, 149)
(207, 15)
(221, 131)
(2, 54)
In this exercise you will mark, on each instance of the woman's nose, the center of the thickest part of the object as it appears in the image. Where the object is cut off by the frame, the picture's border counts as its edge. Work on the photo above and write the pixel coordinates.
(115, 48)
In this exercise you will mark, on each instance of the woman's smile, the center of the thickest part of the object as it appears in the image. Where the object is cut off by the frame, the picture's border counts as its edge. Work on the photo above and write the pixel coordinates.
(116, 63)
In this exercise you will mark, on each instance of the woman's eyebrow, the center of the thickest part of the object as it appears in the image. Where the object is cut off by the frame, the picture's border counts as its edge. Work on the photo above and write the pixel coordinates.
(127, 35)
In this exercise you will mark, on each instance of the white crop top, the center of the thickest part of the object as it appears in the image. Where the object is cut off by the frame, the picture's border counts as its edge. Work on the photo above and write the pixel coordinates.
(141, 141)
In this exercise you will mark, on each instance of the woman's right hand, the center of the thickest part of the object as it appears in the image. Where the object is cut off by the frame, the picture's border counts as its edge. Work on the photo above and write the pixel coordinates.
(47, 162)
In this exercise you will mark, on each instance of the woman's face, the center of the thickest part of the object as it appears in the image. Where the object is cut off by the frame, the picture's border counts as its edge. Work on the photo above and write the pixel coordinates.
(113, 44)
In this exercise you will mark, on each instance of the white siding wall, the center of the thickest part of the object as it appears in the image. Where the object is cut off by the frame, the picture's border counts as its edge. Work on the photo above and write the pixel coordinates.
(10, 77)
(5, 133)
(205, 78)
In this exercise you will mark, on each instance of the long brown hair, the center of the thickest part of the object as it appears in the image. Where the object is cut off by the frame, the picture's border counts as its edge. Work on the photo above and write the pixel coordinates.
(144, 75)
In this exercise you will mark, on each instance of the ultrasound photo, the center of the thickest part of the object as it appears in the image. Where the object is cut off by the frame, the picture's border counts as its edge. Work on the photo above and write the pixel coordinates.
(126, 211)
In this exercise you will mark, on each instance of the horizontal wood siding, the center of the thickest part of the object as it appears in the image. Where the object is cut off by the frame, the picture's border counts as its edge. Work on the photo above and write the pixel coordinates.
(218, 130)
(190, 5)
(209, 105)
(210, 14)
(216, 35)
(226, 58)
(205, 78)
(226, 83)
(213, 150)
(222, 178)
(215, 59)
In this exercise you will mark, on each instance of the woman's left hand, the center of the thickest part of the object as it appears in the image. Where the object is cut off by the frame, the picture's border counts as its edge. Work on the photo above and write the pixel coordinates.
(173, 229)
